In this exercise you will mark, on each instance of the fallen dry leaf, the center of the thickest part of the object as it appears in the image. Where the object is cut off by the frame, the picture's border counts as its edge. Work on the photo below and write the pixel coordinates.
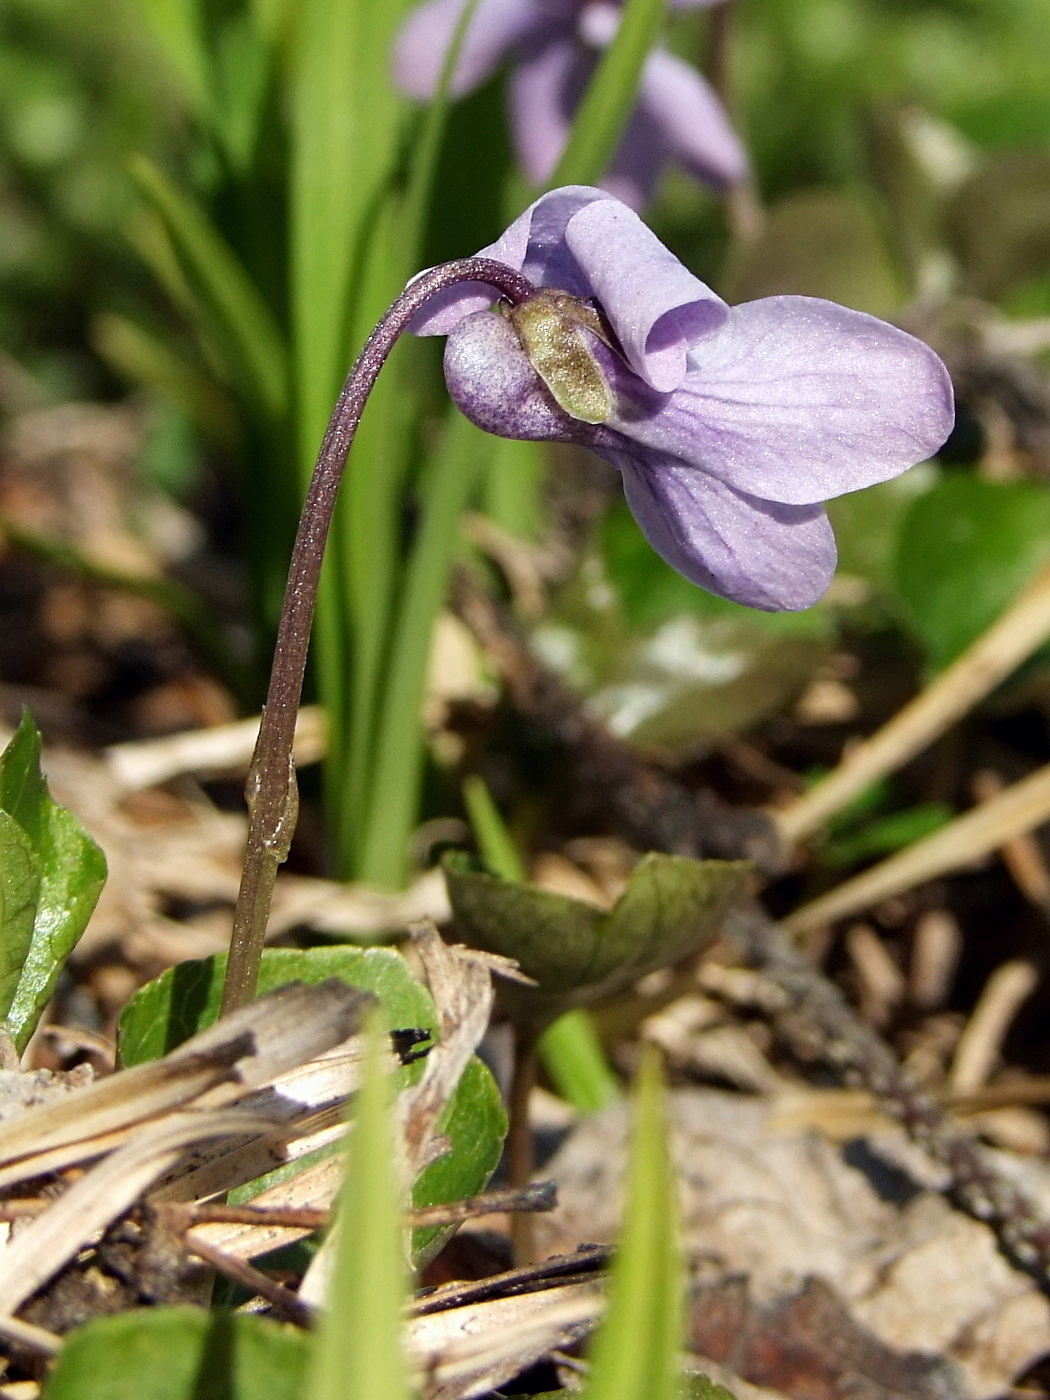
(779, 1207)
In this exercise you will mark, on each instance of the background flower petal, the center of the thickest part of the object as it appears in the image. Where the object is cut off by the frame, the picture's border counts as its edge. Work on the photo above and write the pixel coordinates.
(544, 89)
(798, 400)
(657, 308)
(424, 40)
(768, 556)
(694, 127)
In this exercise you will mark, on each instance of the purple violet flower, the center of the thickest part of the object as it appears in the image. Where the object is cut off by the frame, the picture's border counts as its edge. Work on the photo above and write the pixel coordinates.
(729, 425)
(555, 45)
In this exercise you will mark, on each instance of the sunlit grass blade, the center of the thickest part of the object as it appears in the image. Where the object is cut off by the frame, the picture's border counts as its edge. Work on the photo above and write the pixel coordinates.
(570, 1049)
(606, 106)
(176, 25)
(241, 317)
(635, 1354)
(573, 1056)
(149, 360)
(345, 119)
(399, 741)
(423, 167)
(358, 1352)
(495, 842)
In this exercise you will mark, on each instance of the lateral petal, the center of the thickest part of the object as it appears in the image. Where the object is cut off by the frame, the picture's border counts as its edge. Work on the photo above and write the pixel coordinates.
(797, 400)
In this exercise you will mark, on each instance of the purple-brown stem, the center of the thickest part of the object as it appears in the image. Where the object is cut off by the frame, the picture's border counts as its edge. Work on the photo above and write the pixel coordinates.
(271, 790)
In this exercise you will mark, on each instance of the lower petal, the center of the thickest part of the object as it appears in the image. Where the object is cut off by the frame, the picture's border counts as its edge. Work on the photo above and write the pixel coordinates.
(769, 556)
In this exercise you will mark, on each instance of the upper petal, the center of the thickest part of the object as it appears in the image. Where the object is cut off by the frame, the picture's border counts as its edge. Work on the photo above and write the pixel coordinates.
(534, 244)
(693, 123)
(798, 400)
(656, 306)
(769, 556)
(425, 37)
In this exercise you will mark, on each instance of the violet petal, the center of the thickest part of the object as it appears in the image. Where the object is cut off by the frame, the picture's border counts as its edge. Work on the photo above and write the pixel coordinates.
(494, 28)
(491, 380)
(769, 556)
(693, 123)
(796, 400)
(534, 244)
(656, 306)
(543, 90)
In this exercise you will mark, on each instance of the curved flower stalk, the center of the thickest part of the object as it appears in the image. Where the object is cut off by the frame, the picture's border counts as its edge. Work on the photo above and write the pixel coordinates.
(554, 46)
(729, 425)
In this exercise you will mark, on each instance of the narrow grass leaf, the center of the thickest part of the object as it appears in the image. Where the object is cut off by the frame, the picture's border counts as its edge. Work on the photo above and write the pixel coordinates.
(345, 117)
(606, 106)
(359, 1353)
(176, 26)
(240, 315)
(399, 745)
(495, 842)
(635, 1354)
(573, 1057)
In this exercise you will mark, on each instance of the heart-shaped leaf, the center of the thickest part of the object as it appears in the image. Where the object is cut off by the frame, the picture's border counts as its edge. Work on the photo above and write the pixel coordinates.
(578, 954)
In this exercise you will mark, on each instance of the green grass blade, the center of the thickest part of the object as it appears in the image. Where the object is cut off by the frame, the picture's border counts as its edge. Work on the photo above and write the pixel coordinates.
(495, 842)
(242, 319)
(358, 1353)
(345, 119)
(176, 26)
(610, 95)
(635, 1354)
(399, 752)
(422, 171)
(573, 1056)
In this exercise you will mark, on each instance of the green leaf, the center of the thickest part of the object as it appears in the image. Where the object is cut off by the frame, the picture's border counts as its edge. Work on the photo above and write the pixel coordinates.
(606, 106)
(966, 550)
(359, 1354)
(185, 998)
(69, 871)
(239, 314)
(19, 887)
(571, 1051)
(475, 1122)
(180, 1354)
(634, 1355)
(495, 842)
(579, 954)
(398, 763)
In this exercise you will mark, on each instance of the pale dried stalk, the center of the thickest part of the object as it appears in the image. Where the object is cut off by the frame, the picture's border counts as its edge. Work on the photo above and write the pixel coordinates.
(1008, 642)
(1019, 808)
(225, 748)
(1004, 993)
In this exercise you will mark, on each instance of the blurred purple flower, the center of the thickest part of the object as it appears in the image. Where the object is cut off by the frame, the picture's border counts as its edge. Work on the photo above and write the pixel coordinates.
(555, 45)
(729, 425)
